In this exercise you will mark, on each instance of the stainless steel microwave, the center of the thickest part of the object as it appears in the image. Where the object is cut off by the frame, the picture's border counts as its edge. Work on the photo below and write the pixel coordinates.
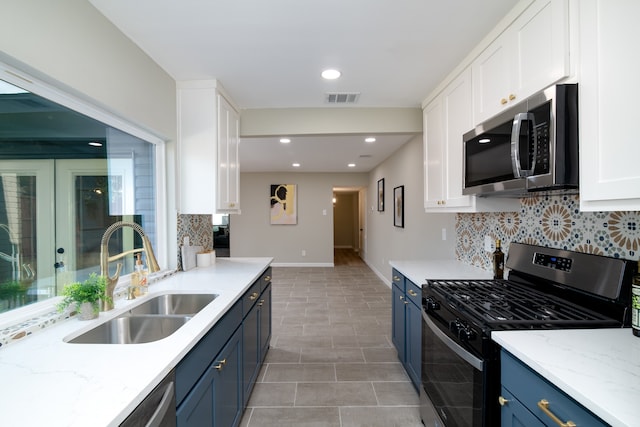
(529, 148)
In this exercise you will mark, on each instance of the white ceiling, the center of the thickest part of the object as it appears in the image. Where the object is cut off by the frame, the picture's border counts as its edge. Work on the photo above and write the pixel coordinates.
(269, 54)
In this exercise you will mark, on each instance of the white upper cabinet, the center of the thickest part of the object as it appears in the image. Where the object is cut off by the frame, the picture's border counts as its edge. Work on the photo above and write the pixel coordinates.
(531, 54)
(609, 91)
(207, 149)
(446, 119)
(228, 200)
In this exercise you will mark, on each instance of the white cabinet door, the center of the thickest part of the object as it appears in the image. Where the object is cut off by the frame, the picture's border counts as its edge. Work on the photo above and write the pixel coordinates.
(609, 91)
(446, 119)
(228, 195)
(457, 121)
(532, 54)
(197, 146)
(434, 158)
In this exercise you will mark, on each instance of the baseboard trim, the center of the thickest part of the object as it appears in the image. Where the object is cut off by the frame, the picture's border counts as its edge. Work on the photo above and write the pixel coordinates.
(302, 264)
(380, 275)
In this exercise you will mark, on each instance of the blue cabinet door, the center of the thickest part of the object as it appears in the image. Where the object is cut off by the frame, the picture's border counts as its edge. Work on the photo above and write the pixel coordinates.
(250, 350)
(216, 399)
(398, 324)
(265, 322)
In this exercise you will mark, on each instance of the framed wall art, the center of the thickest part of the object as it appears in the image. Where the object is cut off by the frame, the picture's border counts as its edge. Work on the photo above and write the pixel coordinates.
(398, 206)
(283, 200)
(381, 195)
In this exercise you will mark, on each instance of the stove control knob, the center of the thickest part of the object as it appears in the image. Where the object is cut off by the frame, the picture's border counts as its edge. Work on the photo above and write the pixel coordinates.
(431, 304)
(467, 334)
(456, 326)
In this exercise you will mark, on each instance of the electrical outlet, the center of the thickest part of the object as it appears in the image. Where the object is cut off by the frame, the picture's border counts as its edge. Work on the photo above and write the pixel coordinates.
(444, 234)
(489, 243)
(304, 253)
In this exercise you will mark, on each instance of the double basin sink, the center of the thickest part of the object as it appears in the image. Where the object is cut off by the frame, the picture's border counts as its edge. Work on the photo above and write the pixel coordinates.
(153, 320)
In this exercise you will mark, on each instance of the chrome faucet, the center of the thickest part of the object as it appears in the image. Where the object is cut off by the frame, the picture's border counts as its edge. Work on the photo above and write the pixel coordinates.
(152, 263)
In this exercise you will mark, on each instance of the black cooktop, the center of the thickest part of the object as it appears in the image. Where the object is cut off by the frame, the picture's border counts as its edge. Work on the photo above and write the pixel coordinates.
(505, 304)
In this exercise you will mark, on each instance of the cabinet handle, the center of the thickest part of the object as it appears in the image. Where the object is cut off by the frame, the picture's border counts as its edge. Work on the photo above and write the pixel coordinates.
(503, 101)
(401, 297)
(396, 279)
(511, 97)
(267, 278)
(232, 205)
(502, 401)
(261, 303)
(544, 407)
(220, 364)
(406, 302)
(412, 293)
(253, 296)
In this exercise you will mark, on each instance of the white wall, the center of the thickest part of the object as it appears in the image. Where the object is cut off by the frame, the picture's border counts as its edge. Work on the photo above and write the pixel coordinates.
(69, 44)
(253, 235)
(421, 237)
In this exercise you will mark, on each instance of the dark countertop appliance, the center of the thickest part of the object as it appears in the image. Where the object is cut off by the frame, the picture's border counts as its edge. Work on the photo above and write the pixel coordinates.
(546, 289)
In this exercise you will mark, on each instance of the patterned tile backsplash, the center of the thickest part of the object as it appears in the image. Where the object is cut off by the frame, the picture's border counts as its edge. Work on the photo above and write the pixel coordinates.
(199, 230)
(551, 221)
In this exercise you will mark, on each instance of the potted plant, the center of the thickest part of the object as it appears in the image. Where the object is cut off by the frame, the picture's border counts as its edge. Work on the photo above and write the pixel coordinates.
(86, 296)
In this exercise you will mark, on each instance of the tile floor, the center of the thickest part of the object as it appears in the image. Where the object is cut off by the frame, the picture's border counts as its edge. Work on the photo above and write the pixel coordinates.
(331, 361)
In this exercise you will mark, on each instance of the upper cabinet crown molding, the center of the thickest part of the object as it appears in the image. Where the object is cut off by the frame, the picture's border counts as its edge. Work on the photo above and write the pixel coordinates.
(208, 125)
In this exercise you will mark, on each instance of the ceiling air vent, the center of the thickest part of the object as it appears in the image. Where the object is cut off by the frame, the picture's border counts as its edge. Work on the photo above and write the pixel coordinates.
(342, 97)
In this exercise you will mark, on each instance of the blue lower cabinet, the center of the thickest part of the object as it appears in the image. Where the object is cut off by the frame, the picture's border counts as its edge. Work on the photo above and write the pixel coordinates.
(406, 324)
(215, 379)
(528, 399)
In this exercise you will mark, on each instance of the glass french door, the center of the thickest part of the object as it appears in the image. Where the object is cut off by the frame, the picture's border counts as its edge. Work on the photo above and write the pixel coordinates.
(26, 232)
(53, 214)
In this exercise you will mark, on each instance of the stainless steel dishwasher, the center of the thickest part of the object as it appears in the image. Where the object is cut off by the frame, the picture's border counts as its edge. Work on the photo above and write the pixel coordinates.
(158, 409)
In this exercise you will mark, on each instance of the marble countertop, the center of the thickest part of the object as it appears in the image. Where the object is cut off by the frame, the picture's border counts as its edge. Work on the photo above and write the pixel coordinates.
(419, 271)
(599, 368)
(49, 382)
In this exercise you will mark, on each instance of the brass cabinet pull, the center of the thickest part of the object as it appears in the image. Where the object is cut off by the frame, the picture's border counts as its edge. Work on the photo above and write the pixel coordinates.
(401, 297)
(396, 279)
(502, 401)
(412, 293)
(544, 407)
(261, 303)
(503, 101)
(511, 97)
(253, 296)
(267, 278)
(406, 302)
(220, 364)
(232, 205)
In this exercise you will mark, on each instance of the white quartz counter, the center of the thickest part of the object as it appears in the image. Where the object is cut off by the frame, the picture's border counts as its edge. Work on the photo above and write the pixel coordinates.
(598, 368)
(419, 271)
(47, 382)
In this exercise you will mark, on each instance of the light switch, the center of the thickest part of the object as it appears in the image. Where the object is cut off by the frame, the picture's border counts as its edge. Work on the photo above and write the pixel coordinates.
(324, 211)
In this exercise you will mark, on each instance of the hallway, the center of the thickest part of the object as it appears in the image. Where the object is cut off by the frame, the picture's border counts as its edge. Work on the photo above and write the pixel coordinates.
(331, 361)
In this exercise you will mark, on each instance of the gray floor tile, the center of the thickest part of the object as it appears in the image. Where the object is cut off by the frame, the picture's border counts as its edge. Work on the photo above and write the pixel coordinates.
(273, 394)
(335, 394)
(331, 355)
(397, 416)
(370, 372)
(396, 393)
(295, 417)
(288, 372)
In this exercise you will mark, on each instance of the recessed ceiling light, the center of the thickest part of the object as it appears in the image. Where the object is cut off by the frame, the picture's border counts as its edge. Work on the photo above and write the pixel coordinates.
(285, 140)
(370, 139)
(296, 165)
(352, 165)
(331, 74)
(95, 144)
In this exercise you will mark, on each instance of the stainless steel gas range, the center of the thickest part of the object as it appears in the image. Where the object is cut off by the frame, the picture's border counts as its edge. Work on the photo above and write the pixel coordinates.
(546, 289)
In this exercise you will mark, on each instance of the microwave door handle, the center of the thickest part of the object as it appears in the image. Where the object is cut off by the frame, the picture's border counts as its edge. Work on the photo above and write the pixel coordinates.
(518, 172)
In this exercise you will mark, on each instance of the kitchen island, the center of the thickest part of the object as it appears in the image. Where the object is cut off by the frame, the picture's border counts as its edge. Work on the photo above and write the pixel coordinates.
(598, 368)
(47, 381)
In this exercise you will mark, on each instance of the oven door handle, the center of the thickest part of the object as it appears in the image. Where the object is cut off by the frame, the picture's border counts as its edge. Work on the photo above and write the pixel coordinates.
(453, 346)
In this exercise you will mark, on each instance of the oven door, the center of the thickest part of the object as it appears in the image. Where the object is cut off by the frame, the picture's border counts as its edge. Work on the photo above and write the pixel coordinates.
(452, 378)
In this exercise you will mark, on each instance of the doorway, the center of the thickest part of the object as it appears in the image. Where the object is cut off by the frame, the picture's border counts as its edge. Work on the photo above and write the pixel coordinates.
(349, 235)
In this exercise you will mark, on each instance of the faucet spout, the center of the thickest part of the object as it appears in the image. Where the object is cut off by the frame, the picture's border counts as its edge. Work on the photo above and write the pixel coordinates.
(152, 263)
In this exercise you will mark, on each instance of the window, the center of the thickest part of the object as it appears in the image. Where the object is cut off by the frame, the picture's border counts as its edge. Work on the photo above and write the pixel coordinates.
(64, 178)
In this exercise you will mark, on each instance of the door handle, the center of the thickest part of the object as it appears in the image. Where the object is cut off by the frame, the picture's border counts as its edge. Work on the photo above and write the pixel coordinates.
(518, 172)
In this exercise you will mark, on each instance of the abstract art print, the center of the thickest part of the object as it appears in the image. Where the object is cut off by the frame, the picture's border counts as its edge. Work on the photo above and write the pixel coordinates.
(283, 209)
